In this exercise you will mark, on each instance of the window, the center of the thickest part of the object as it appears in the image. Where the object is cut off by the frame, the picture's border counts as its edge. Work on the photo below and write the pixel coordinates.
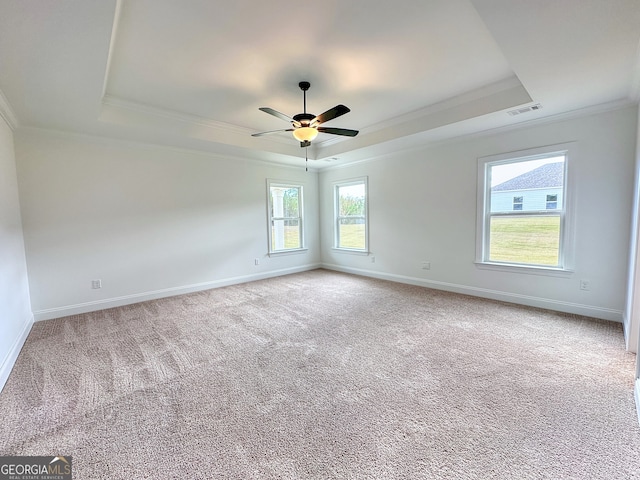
(285, 217)
(517, 203)
(512, 232)
(351, 229)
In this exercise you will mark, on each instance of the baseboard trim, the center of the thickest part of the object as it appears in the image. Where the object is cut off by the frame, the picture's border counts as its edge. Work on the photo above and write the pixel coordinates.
(57, 312)
(10, 360)
(567, 307)
(557, 305)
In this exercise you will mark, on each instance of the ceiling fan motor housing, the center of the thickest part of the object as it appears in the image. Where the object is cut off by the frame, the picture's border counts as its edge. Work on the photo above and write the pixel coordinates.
(304, 118)
(306, 125)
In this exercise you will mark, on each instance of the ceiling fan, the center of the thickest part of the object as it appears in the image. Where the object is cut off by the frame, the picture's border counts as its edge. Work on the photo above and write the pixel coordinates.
(306, 126)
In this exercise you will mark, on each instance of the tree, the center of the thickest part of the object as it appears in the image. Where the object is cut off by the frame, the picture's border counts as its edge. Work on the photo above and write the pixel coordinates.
(290, 199)
(350, 205)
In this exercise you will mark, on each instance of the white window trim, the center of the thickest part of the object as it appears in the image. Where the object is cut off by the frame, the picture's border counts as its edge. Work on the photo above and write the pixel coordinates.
(567, 238)
(287, 251)
(291, 251)
(347, 183)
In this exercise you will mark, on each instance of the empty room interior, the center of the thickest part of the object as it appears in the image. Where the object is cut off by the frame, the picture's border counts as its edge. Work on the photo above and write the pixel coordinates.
(357, 239)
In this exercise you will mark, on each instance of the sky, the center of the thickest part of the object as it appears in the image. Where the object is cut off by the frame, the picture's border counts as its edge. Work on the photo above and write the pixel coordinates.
(355, 191)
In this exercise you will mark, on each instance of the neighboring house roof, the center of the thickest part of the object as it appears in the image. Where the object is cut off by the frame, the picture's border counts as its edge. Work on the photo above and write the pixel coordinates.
(545, 176)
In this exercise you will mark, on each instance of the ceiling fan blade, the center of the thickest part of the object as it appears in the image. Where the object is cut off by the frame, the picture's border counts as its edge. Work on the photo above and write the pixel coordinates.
(330, 114)
(281, 116)
(338, 131)
(272, 131)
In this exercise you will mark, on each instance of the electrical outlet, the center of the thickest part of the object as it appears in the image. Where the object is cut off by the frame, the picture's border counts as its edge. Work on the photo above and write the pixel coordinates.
(585, 284)
(256, 261)
(373, 259)
(426, 265)
(95, 284)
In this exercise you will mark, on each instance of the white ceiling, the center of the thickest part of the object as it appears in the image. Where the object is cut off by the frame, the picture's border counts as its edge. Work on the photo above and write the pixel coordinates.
(193, 73)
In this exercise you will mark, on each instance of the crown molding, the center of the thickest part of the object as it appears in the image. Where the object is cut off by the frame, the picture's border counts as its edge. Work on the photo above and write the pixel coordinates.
(456, 101)
(7, 113)
(431, 110)
(222, 129)
(556, 118)
(420, 124)
(121, 103)
(225, 128)
(111, 141)
(117, 102)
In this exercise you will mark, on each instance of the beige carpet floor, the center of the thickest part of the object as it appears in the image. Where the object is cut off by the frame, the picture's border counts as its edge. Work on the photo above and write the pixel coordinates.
(323, 375)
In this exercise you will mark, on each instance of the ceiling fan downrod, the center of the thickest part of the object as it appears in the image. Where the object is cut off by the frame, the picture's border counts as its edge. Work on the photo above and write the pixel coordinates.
(304, 119)
(304, 86)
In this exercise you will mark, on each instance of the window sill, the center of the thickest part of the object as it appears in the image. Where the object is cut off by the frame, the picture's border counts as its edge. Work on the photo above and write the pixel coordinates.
(293, 251)
(529, 270)
(350, 251)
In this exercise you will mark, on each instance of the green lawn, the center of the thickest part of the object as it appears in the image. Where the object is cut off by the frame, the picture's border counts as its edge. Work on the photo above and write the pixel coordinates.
(531, 240)
(291, 237)
(352, 236)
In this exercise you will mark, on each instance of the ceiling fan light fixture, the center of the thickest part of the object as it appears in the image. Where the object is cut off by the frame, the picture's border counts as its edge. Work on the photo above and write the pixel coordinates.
(305, 134)
(306, 126)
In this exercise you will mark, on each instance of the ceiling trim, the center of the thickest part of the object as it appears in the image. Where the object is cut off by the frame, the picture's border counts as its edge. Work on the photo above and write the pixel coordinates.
(121, 103)
(475, 104)
(430, 111)
(560, 117)
(138, 107)
(112, 101)
(112, 42)
(456, 101)
(7, 113)
(110, 141)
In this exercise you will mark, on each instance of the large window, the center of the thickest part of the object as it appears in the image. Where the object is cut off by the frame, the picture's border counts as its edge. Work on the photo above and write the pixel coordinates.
(522, 218)
(351, 215)
(285, 217)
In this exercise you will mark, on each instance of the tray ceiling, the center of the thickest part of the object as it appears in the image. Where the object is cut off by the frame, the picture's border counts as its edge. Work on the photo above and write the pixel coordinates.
(192, 74)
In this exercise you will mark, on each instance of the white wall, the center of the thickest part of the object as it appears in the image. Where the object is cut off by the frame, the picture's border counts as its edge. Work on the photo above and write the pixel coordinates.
(632, 310)
(632, 307)
(422, 206)
(15, 306)
(151, 221)
(147, 221)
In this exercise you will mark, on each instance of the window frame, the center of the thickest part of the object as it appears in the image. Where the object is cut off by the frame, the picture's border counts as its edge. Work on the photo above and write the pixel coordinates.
(270, 218)
(566, 248)
(336, 217)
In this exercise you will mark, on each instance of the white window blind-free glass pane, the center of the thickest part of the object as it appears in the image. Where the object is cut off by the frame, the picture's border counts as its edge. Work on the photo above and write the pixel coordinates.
(351, 222)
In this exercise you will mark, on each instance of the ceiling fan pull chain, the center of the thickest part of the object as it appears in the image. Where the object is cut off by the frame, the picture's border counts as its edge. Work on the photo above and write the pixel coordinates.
(306, 160)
